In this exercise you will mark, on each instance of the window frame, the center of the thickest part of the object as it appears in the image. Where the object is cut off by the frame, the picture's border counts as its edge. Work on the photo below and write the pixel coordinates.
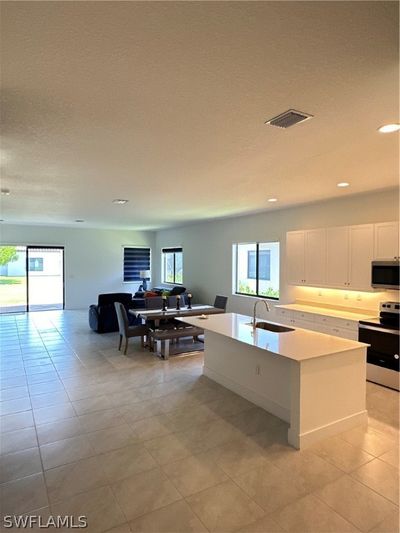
(171, 250)
(142, 247)
(256, 295)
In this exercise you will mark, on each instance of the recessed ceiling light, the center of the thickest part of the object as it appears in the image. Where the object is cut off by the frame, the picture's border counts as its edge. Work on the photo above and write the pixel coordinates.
(389, 128)
(343, 184)
(79, 220)
(6, 192)
(272, 199)
(120, 201)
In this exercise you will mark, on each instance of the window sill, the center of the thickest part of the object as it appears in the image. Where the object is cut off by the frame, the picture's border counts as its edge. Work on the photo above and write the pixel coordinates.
(259, 297)
(172, 283)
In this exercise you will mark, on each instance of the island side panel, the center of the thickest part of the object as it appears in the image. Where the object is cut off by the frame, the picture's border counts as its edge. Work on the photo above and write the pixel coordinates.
(328, 396)
(258, 375)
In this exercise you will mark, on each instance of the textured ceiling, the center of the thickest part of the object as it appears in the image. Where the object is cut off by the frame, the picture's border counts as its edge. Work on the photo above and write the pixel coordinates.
(164, 103)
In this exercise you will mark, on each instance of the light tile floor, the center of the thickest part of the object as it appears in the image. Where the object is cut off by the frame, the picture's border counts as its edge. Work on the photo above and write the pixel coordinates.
(142, 445)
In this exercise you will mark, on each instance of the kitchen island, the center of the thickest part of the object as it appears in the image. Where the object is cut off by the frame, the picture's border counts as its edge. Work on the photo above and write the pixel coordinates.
(313, 381)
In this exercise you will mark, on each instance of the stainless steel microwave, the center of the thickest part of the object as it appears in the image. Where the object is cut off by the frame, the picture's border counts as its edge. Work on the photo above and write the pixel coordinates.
(385, 274)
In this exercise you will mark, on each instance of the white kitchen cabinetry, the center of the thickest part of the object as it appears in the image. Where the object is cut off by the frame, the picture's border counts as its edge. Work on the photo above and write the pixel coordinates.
(306, 257)
(386, 241)
(361, 254)
(315, 256)
(338, 327)
(337, 257)
(295, 255)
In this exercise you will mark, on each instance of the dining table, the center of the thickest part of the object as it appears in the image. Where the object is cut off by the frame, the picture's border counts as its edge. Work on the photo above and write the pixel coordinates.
(156, 315)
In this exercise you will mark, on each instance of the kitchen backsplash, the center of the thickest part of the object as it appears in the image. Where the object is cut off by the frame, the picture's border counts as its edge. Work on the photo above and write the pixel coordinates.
(343, 298)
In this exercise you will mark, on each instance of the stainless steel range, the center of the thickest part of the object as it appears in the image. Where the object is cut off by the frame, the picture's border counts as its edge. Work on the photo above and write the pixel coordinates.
(382, 334)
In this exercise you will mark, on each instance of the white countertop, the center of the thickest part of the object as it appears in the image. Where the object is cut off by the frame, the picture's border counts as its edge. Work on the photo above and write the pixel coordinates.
(299, 345)
(327, 311)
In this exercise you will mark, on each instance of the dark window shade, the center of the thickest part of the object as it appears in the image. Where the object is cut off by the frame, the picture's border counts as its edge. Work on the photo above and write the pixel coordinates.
(171, 250)
(135, 260)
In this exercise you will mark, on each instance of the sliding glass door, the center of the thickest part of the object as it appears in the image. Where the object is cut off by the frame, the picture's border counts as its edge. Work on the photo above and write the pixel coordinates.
(31, 278)
(13, 279)
(45, 267)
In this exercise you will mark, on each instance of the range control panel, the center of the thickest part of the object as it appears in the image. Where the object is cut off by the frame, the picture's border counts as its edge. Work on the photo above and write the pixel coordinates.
(390, 307)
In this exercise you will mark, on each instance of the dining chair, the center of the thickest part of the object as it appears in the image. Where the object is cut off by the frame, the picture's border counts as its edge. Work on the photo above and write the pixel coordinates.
(221, 302)
(125, 330)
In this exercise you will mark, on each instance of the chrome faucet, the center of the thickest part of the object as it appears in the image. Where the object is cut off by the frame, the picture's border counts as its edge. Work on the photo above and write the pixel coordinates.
(255, 307)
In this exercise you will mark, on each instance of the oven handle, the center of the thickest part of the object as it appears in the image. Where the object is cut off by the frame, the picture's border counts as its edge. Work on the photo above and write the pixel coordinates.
(393, 331)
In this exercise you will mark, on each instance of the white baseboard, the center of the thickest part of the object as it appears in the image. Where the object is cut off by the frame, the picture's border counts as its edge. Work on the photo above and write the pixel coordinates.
(329, 430)
(257, 399)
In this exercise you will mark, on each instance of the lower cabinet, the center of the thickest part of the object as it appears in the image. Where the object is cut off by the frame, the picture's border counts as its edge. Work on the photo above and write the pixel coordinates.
(339, 332)
(339, 327)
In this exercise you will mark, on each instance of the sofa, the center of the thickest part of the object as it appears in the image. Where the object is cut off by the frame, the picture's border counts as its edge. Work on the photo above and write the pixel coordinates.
(139, 300)
(103, 318)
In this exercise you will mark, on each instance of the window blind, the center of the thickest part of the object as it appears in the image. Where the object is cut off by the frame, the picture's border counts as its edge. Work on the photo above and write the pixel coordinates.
(135, 260)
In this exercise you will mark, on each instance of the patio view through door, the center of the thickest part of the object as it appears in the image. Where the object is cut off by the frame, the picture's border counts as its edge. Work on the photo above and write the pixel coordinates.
(31, 278)
(13, 282)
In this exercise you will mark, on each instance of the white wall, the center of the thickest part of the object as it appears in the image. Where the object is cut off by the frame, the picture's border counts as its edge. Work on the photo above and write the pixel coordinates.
(93, 258)
(207, 247)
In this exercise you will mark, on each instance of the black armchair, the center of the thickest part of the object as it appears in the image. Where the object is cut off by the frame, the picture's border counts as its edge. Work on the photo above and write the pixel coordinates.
(103, 318)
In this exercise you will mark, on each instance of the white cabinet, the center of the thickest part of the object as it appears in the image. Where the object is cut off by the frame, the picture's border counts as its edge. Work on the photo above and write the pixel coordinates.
(283, 315)
(315, 257)
(386, 245)
(350, 250)
(337, 257)
(295, 257)
(361, 254)
(338, 327)
(306, 257)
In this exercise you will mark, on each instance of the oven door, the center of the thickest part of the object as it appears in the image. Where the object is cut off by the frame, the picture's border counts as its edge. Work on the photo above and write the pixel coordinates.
(384, 346)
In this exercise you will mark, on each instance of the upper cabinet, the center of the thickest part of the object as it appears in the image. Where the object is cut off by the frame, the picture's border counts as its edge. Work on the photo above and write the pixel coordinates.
(315, 256)
(386, 240)
(361, 254)
(307, 252)
(339, 257)
(295, 250)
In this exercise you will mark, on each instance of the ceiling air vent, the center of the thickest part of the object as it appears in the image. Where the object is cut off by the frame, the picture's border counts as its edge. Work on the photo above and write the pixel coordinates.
(288, 118)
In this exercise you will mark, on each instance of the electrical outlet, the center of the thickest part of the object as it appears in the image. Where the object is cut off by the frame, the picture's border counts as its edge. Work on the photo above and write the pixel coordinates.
(258, 370)
(346, 296)
(359, 298)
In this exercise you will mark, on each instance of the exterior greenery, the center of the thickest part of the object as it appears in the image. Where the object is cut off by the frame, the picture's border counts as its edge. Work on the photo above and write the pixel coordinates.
(244, 288)
(7, 255)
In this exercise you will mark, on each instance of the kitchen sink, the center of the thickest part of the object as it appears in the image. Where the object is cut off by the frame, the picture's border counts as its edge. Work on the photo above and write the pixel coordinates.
(272, 327)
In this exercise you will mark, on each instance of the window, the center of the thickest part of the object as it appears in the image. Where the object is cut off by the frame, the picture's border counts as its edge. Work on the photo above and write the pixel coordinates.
(135, 260)
(36, 264)
(257, 269)
(172, 265)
